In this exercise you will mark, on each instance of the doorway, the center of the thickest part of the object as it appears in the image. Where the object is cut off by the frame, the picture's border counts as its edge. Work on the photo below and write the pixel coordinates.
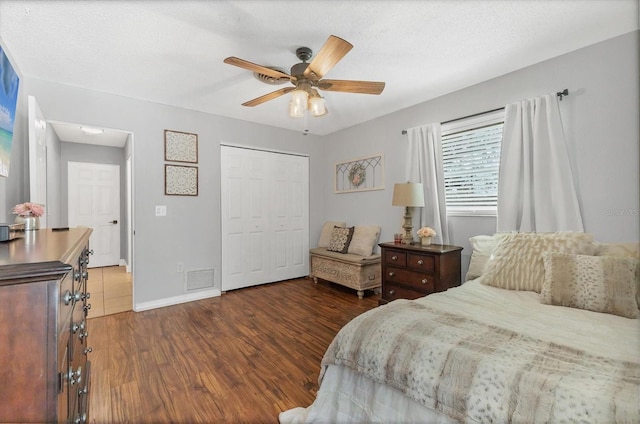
(94, 201)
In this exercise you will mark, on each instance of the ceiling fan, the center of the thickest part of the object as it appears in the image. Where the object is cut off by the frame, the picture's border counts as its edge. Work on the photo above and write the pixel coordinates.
(307, 78)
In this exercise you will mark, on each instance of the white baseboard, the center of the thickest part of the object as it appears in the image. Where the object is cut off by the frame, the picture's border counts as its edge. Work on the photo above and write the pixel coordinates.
(176, 300)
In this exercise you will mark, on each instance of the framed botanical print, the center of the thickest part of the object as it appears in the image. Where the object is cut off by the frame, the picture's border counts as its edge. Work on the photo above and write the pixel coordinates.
(180, 180)
(180, 146)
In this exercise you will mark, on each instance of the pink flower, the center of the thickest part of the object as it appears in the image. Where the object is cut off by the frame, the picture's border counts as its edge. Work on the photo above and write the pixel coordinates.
(426, 232)
(28, 209)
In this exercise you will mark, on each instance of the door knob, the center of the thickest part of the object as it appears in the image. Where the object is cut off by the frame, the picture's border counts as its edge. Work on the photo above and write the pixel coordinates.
(115, 221)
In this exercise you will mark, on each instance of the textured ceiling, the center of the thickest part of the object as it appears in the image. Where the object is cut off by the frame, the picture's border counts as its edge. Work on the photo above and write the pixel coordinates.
(171, 52)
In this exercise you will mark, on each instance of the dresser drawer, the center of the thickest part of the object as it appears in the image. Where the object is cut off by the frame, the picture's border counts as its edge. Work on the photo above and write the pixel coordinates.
(425, 263)
(420, 281)
(394, 291)
(393, 257)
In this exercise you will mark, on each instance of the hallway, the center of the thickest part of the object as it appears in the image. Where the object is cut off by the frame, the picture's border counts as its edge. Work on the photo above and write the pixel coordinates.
(111, 291)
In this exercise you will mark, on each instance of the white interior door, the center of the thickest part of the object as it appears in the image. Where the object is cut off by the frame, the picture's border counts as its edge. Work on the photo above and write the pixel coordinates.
(94, 201)
(265, 217)
(37, 158)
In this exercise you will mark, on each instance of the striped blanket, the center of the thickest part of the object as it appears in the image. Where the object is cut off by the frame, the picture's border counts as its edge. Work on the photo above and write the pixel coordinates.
(475, 372)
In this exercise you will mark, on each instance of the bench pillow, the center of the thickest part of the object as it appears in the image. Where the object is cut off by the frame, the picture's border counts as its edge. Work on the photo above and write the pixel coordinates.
(327, 228)
(340, 239)
(364, 239)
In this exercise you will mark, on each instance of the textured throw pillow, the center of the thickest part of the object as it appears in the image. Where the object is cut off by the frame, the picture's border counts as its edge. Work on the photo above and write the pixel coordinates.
(340, 239)
(327, 228)
(364, 239)
(606, 284)
(481, 246)
(516, 262)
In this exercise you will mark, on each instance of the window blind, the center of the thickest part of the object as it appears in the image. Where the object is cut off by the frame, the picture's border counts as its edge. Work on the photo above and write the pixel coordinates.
(471, 161)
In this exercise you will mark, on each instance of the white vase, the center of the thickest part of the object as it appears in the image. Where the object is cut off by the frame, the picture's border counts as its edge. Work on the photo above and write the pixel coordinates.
(30, 222)
(425, 241)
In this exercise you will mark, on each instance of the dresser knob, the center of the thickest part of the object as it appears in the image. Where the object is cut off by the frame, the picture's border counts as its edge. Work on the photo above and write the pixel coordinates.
(394, 258)
(392, 292)
(420, 262)
(391, 274)
(424, 281)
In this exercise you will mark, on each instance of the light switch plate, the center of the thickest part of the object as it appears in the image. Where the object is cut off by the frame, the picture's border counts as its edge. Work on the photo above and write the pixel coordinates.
(161, 211)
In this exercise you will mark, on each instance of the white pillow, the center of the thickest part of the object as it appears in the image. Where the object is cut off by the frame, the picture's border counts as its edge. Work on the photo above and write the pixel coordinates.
(516, 262)
(327, 228)
(364, 239)
(481, 250)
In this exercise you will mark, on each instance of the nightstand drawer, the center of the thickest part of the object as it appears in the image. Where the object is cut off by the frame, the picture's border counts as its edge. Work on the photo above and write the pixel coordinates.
(421, 262)
(414, 280)
(393, 257)
(393, 292)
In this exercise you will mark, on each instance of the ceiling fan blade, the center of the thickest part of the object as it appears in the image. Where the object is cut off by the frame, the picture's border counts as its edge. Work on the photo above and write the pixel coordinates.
(361, 87)
(270, 96)
(245, 64)
(333, 50)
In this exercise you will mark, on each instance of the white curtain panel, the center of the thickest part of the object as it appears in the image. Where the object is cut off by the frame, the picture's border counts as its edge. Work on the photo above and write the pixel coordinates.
(424, 165)
(536, 190)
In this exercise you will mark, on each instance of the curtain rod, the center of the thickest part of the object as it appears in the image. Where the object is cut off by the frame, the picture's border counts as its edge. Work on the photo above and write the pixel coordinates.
(560, 94)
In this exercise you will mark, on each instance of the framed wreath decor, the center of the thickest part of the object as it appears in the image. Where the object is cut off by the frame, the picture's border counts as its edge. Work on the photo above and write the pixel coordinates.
(360, 174)
(357, 175)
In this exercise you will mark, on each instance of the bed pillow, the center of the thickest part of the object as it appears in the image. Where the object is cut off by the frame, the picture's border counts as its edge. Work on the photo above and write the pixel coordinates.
(516, 262)
(631, 250)
(340, 239)
(606, 284)
(364, 239)
(327, 228)
(481, 246)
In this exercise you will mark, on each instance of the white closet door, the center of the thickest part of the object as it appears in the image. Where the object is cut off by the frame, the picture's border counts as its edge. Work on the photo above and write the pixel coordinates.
(265, 210)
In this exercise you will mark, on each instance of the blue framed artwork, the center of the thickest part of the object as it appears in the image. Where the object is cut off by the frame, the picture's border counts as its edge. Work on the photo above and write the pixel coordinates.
(8, 99)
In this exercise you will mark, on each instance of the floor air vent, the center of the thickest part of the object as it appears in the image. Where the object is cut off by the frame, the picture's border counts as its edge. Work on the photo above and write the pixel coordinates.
(198, 279)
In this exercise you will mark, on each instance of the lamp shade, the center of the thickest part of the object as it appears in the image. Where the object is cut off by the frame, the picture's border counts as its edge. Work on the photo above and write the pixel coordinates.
(408, 194)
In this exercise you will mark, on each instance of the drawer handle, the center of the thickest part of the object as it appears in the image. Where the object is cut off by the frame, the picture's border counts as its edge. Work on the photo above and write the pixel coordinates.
(391, 274)
(424, 281)
(420, 262)
(392, 292)
(394, 258)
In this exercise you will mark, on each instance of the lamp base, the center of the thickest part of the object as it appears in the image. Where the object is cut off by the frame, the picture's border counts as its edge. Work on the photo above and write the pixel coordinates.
(408, 227)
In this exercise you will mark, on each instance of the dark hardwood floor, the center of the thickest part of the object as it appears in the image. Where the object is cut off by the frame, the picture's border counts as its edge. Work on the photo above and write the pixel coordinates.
(240, 358)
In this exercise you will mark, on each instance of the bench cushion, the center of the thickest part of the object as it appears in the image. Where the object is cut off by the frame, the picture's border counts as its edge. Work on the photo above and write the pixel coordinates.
(347, 257)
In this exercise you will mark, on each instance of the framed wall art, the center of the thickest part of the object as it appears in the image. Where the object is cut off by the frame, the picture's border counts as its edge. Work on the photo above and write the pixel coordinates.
(180, 146)
(180, 180)
(360, 174)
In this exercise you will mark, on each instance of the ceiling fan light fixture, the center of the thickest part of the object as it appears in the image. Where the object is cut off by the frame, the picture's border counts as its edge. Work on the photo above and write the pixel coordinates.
(295, 110)
(317, 106)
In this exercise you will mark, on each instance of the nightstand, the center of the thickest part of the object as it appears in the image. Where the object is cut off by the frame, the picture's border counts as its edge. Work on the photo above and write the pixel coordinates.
(410, 271)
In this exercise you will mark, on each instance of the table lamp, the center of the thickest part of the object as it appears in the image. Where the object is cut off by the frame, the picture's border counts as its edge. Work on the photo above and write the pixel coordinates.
(408, 195)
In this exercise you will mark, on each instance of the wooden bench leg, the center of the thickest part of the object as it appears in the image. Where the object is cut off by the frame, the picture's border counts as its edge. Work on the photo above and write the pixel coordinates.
(315, 279)
(360, 294)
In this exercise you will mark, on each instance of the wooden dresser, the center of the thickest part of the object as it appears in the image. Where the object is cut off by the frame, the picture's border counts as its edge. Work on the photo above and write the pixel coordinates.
(410, 271)
(45, 373)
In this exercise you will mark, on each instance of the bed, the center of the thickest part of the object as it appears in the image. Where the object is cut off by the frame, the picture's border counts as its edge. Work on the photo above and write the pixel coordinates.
(547, 332)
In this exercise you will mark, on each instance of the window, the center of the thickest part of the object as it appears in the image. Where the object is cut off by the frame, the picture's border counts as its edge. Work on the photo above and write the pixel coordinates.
(471, 160)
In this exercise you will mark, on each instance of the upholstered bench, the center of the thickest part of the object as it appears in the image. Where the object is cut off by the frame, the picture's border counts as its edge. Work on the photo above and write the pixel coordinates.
(355, 266)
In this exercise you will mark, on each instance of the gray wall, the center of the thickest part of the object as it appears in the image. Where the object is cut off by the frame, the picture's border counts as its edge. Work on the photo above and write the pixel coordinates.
(601, 125)
(600, 116)
(190, 233)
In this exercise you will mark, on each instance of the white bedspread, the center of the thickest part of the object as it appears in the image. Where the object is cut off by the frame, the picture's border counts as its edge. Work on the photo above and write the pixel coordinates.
(346, 396)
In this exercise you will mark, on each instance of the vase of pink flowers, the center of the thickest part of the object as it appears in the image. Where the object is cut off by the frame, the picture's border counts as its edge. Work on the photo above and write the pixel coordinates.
(28, 214)
(425, 234)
